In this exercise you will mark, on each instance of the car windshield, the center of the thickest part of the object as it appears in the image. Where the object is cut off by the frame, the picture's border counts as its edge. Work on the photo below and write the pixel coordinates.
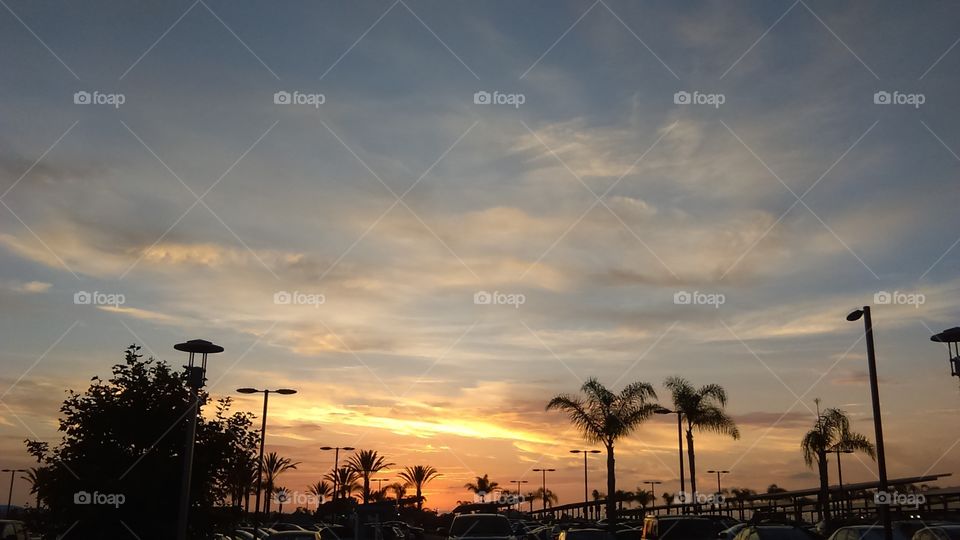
(480, 526)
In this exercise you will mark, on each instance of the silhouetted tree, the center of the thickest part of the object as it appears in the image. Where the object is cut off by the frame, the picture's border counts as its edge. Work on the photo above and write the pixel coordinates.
(604, 417)
(482, 487)
(366, 463)
(419, 476)
(702, 408)
(274, 466)
(345, 480)
(321, 490)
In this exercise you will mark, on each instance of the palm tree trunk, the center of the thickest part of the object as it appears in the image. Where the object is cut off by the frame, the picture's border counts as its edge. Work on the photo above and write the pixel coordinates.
(611, 489)
(366, 489)
(824, 485)
(419, 498)
(691, 455)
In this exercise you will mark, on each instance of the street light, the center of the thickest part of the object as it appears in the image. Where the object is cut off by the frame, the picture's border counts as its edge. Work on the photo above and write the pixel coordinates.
(653, 492)
(664, 410)
(718, 473)
(952, 338)
(877, 422)
(380, 482)
(336, 463)
(263, 436)
(518, 482)
(543, 486)
(196, 377)
(586, 497)
(13, 473)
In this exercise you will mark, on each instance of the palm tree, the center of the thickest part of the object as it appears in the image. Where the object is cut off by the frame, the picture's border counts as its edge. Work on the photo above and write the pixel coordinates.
(702, 408)
(831, 433)
(321, 490)
(548, 497)
(274, 466)
(644, 497)
(367, 463)
(773, 488)
(399, 490)
(419, 476)
(740, 494)
(482, 487)
(282, 495)
(345, 479)
(35, 476)
(667, 500)
(605, 417)
(623, 497)
(597, 495)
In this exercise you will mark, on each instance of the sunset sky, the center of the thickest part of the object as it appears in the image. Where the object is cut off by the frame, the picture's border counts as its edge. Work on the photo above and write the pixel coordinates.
(398, 199)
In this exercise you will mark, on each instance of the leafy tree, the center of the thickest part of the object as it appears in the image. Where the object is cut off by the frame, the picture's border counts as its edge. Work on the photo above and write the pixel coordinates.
(831, 432)
(367, 463)
(419, 476)
(773, 488)
(321, 490)
(345, 480)
(124, 436)
(702, 408)
(482, 487)
(399, 490)
(604, 417)
(644, 497)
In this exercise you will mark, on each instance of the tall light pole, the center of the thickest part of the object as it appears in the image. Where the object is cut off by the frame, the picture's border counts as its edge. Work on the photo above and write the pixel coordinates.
(196, 377)
(877, 422)
(379, 482)
(683, 486)
(263, 436)
(840, 450)
(653, 492)
(336, 463)
(518, 482)
(718, 473)
(586, 496)
(13, 473)
(543, 485)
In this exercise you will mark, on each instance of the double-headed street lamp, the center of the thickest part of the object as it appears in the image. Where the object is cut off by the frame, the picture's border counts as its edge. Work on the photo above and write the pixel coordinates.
(336, 464)
(518, 482)
(586, 496)
(653, 492)
(543, 485)
(379, 482)
(196, 378)
(263, 436)
(877, 422)
(13, 473)
(718, 473)
(952, 338)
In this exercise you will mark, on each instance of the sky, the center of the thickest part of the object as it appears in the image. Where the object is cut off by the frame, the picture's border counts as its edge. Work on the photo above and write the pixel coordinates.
(431, 217)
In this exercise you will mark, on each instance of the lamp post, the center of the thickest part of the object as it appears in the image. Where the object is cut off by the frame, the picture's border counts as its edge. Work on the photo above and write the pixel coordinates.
(840, 450)
(263, 436)
(586, 496)
(877, 422)
(952, 338)
(543, 485)
(683, 486)
(379, 482)
(336, 464)
(718, 473)
(518, 482)
(196, 377)
(653, 492)
(13, 473)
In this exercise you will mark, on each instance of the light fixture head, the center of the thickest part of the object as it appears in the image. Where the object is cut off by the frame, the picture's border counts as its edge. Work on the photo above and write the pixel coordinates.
(247, 390)
(286, 391)
(855, 315)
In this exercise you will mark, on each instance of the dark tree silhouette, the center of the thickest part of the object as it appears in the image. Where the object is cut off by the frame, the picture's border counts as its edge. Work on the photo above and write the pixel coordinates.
(419, 476)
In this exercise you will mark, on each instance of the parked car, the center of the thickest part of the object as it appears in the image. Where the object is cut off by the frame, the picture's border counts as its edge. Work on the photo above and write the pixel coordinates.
(944, 531)
(263, 533)
(336, 532)
(867, 532)
(295, 535)
(774, 531)
(13, 530)
(493, 526)
(680, 528)
(584, 534)
(731, 533)
(286, 527)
